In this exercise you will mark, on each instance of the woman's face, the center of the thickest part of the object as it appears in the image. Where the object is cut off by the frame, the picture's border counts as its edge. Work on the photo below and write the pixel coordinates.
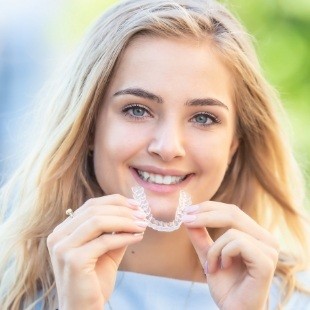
(167, 123)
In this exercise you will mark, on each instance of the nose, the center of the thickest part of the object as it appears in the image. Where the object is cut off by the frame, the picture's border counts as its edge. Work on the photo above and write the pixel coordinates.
(167, 142)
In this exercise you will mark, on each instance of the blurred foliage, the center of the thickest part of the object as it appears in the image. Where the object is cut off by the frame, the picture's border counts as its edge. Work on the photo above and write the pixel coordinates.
(281, 29)
(281, 32)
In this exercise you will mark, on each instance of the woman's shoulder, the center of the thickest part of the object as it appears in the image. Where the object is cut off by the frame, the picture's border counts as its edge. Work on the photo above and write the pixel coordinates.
(303, 278)
(300, 299)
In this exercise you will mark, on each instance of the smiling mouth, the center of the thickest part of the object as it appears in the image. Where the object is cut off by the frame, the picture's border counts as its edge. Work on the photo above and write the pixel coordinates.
(159, 178)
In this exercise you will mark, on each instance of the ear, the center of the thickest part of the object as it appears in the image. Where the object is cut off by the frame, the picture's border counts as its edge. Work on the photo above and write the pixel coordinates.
(233, 148)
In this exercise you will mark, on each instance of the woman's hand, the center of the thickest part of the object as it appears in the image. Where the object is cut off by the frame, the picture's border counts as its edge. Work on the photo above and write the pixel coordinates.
(86, 249)
(240, 264)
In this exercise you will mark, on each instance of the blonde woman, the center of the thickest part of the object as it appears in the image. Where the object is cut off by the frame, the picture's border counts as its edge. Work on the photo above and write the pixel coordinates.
(167, 96)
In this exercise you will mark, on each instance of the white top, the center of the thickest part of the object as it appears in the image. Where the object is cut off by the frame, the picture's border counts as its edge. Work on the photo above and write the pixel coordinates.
(143, 292)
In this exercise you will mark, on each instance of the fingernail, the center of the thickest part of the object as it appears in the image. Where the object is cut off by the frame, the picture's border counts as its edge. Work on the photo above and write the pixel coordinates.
(133, 203)
(205, 268)
(139, 214)
(141, 223)
(191, 208)
(188, 218)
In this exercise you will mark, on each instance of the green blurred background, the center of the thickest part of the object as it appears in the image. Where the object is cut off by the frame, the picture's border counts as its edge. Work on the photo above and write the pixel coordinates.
(281, 33)
(282, 37)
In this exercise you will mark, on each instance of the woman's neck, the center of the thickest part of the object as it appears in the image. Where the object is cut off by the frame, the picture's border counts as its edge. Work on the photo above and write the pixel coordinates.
(168, 255)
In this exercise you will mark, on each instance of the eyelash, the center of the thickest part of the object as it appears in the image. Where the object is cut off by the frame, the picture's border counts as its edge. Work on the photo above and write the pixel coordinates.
(127, 110)
(215, 120)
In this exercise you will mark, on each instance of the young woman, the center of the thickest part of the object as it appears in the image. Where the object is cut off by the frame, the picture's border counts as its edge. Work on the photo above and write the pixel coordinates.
(168, 96)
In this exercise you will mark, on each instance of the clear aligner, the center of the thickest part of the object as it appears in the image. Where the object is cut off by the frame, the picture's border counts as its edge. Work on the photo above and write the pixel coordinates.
(184, 201)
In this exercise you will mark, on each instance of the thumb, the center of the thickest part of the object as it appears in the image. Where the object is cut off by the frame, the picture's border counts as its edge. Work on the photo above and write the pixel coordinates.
(201, 242)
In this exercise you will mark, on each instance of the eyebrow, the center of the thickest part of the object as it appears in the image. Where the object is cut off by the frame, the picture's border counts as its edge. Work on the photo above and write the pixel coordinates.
(206, 102)
(139, 92)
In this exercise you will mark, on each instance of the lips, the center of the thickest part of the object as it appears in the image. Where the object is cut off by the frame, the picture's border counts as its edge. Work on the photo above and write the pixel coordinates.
(159, 178)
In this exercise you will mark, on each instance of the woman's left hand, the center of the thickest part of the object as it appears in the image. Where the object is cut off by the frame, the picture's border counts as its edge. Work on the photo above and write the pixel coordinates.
(240, 264)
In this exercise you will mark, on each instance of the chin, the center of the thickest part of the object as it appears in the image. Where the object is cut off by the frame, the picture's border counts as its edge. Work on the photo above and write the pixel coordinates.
(164, 209)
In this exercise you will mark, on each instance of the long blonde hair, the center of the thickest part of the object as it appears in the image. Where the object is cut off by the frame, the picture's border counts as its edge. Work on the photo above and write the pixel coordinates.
(262, 179)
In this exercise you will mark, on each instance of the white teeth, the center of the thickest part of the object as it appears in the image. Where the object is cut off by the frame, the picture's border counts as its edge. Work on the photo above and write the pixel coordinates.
(167, 179)
(160, 179)
(145, 175)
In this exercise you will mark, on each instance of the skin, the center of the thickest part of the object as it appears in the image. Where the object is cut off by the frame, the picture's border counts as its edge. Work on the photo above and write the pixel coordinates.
(168, 109)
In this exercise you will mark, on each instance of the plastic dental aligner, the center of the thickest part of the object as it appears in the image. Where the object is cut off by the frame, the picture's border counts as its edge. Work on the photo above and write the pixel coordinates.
(184, 201)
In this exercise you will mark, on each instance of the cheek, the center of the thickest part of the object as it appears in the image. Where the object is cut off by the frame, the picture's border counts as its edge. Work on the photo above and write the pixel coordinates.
(212, 157)
(212, 151)
(212, 160)
(115, 143)
(111, 150)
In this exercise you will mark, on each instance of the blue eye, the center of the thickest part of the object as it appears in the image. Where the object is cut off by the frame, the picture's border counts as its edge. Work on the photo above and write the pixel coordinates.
(205, 119)
(136, 111)
(202, 119)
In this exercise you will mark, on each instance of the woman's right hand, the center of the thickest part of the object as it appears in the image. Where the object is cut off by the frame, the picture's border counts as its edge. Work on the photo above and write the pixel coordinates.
(86, 249)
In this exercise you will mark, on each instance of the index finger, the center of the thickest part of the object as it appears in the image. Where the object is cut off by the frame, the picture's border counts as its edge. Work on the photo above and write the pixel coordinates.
(201, 242)
(221, 215)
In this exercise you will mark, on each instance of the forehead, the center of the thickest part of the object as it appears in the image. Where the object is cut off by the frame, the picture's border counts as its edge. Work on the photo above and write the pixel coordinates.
(187, 65)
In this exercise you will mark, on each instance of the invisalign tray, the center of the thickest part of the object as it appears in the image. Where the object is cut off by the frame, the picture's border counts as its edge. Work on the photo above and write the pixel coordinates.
(184, 201)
